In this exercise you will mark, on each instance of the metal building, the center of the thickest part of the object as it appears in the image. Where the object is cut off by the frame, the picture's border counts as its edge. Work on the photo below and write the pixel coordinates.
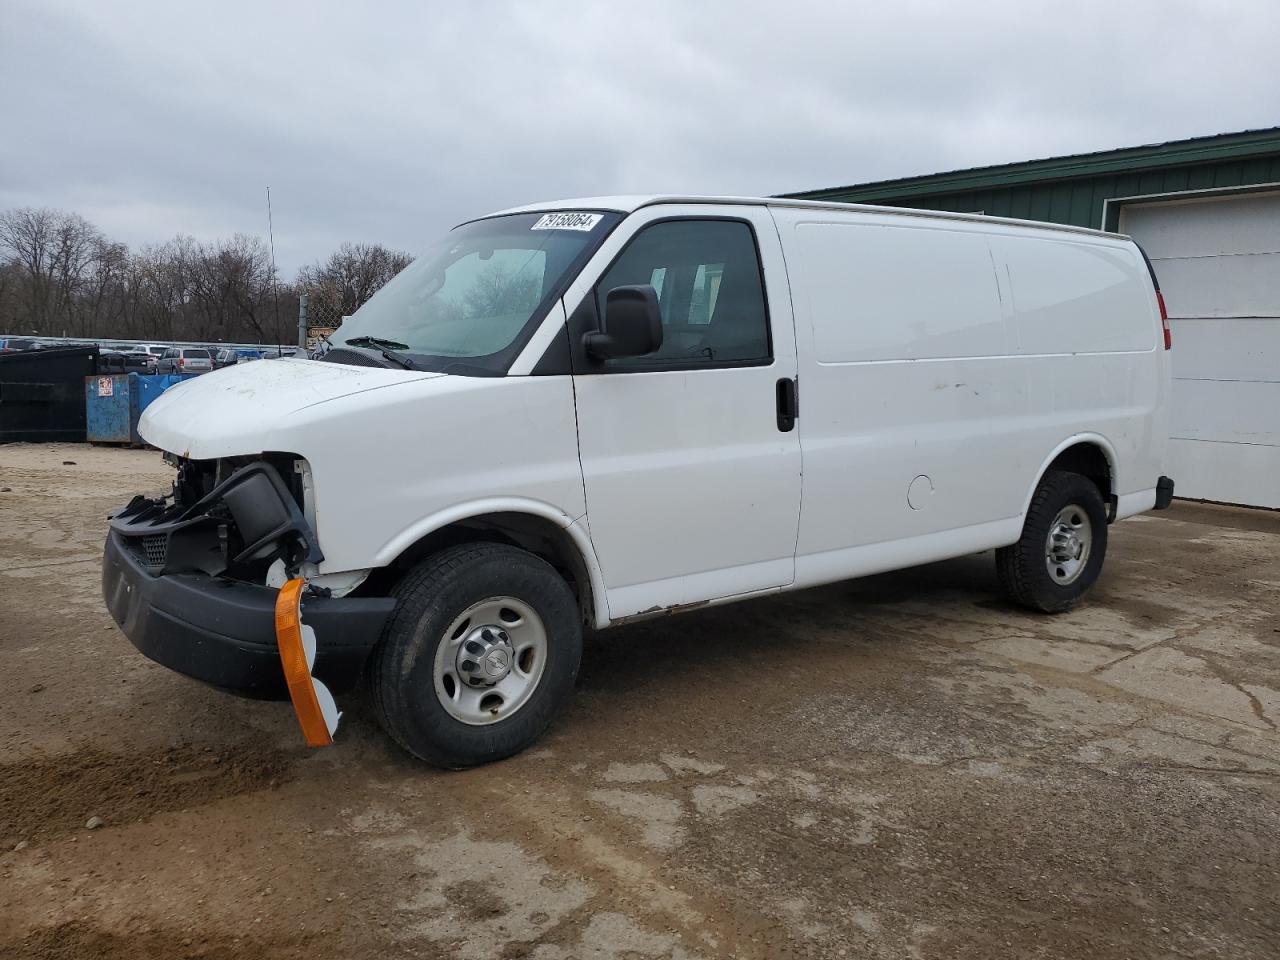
(1207, 212)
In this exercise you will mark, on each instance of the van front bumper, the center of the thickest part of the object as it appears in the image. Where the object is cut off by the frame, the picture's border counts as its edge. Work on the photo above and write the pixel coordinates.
(223, 633)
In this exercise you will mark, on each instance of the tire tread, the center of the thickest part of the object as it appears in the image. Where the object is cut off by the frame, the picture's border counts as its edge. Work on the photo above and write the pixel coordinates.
(417, 596)
(1019, 565)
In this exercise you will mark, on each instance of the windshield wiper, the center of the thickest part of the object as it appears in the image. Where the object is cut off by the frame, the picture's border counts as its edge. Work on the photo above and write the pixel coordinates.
(387, 348)
(381, 342)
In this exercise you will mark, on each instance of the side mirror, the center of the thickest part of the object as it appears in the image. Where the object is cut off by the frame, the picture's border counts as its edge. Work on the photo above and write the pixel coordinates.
(632, 324)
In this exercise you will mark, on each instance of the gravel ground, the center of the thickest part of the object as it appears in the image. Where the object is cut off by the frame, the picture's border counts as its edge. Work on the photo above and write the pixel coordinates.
(902, 766)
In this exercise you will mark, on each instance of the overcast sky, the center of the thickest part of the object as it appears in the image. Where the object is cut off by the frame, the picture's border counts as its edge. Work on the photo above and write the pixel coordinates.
(390, 122)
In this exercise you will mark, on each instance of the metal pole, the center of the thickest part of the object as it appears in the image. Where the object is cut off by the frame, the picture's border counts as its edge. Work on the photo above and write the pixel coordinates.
(302, 320)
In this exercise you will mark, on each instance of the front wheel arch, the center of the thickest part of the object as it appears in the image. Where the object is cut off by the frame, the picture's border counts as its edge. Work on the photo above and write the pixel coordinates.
(544, 533)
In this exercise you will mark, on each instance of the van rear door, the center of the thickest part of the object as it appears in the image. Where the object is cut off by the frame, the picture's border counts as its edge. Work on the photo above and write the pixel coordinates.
(692, 475)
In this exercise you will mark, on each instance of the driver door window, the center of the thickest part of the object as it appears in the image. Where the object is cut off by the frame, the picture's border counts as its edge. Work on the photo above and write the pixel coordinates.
(707, 276)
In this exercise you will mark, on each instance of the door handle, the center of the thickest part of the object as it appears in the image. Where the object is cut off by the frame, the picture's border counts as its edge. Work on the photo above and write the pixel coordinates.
(788, 404)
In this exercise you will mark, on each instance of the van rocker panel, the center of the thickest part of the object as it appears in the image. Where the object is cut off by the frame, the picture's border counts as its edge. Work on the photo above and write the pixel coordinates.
(223, 633)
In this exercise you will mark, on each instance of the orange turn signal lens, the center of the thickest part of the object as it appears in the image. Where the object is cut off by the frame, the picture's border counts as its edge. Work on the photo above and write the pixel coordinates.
(297, 667)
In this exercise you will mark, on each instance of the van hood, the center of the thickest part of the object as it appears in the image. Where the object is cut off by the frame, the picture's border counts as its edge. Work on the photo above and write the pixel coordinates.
(240, 409)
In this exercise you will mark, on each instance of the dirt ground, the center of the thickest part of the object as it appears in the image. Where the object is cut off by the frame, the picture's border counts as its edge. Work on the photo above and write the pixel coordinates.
(903, 766)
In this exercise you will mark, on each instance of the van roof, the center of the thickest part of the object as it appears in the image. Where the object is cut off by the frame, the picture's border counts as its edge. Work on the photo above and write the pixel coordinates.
(627, 203)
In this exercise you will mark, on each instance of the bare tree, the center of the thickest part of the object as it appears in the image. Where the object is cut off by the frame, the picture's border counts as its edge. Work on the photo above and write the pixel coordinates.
(60, 275)
(11, 282)
(352, 274)
(61, 269)
(95, 304)
(233, 288)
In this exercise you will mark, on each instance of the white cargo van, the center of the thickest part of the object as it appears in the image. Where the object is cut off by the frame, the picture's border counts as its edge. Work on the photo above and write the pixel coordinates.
(580, 414)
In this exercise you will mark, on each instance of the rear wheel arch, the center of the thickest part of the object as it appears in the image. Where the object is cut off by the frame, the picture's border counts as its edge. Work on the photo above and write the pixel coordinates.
(1089, 455)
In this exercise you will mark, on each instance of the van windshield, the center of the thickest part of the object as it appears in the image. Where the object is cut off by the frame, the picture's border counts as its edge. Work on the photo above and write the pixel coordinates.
(470, 304)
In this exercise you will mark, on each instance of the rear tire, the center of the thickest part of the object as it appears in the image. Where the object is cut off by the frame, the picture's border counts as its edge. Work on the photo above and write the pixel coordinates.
(1063, 543)
(519, 617)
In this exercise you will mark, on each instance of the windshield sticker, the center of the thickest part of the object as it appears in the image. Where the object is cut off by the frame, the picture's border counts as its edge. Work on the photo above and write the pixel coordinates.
(568, 221)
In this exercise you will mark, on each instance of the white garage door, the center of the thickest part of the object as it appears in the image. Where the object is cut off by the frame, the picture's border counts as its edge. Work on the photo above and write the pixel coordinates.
(1218, 262)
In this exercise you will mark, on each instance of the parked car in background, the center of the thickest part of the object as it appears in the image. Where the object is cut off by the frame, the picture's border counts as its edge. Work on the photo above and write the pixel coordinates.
(125, 361)
(185, 360)
(225, 357)
(14, 344)
(139, 358)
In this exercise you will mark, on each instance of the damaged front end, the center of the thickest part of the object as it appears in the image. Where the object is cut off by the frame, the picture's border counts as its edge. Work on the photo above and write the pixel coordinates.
(233, 517)
(196, 580)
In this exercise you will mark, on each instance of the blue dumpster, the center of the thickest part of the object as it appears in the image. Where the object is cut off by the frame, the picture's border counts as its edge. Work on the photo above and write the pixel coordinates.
(114, 403)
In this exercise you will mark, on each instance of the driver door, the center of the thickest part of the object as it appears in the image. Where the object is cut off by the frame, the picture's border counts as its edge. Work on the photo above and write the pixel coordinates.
(692, 475)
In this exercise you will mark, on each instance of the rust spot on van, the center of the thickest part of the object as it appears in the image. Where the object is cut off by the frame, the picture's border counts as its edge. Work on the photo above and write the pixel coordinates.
(654, 612)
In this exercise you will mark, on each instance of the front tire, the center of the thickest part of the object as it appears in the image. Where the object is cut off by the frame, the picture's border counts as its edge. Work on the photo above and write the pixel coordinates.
(480, 654)
(1063, 543)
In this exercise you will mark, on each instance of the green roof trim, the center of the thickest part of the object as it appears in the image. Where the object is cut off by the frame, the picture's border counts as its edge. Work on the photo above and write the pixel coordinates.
(1224, 146)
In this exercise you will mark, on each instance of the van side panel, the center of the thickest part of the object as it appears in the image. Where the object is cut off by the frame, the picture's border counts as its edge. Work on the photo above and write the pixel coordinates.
(1088, 330)
(920, 293)
(931, 400)
(1073, 295)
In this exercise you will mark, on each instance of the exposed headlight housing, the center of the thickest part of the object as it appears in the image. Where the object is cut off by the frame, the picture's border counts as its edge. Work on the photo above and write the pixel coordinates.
(226, 516)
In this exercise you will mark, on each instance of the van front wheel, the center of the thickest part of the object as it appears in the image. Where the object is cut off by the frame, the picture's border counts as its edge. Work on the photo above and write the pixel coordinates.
(1063, 543)
(481, 652)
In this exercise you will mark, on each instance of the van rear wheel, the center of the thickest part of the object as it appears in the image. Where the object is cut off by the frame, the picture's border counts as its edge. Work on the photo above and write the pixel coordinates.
(480, 654)
(1063, 543)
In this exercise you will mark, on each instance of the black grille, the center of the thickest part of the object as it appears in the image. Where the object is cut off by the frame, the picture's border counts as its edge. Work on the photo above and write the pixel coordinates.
(155, 546)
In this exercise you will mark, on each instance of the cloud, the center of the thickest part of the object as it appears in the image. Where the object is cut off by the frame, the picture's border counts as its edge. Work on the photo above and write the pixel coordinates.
(390, 122)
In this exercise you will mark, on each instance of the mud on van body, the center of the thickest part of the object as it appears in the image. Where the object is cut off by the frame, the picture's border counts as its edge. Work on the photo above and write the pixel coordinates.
(578, 414)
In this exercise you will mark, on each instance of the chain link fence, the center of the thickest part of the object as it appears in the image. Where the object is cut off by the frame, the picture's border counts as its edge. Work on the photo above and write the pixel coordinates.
(318, 317)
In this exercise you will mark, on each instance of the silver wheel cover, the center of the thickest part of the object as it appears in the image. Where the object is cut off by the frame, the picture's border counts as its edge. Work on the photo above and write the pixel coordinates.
(490, 661)
(1067, 548)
